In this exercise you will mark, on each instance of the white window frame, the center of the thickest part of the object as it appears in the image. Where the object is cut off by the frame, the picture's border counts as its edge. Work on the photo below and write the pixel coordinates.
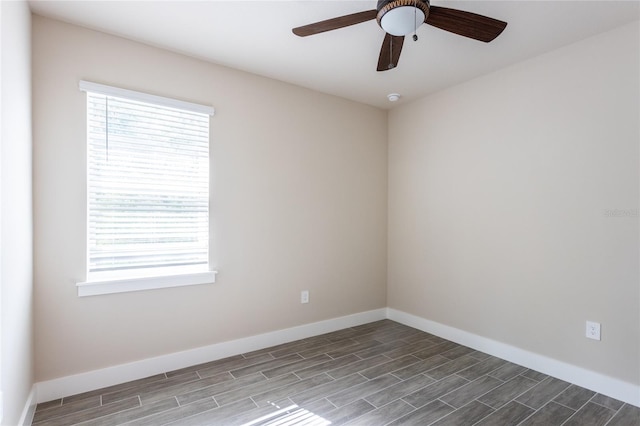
(162, 277)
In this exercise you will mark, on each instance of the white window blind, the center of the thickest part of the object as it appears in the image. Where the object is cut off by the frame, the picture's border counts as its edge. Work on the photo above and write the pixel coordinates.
(148, 184)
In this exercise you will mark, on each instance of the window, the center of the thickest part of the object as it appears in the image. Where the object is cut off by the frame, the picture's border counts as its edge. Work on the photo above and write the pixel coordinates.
(147, 191)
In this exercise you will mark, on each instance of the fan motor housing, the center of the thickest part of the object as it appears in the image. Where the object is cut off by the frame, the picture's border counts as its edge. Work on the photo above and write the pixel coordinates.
(385, 6)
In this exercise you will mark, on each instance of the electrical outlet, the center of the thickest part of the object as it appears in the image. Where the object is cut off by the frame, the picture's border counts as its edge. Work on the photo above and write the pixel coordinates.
(593, 330)
(304, 296)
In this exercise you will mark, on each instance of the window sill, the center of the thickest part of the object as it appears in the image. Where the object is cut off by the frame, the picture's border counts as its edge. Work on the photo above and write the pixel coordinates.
(95, 288)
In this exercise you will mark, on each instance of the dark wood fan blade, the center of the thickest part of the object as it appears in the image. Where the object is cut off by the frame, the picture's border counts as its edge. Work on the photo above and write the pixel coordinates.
(466, 24)
(390, 52)
(335, 23)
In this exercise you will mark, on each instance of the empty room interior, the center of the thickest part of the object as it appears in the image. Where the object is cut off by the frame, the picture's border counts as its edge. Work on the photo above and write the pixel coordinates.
(452, 238)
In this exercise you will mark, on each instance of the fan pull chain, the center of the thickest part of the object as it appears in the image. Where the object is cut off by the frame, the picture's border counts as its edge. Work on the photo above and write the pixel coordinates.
(415, 20)
(390, 53)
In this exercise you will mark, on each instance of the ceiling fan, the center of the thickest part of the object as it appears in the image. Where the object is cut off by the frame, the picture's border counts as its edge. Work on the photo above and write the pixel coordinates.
(399, 18)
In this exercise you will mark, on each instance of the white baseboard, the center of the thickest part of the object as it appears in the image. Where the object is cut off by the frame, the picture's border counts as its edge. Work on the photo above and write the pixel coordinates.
(606, 385)
(92, 380)
(29, 408)
(85, 382)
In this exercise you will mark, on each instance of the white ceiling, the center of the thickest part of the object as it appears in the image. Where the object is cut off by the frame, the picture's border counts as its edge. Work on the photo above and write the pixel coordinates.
(255, 36)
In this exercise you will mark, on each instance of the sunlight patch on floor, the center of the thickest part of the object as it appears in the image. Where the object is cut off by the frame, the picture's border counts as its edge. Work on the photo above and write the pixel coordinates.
(290, 416)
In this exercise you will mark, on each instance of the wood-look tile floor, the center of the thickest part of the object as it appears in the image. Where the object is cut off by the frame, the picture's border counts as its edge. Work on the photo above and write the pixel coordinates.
(383, 373)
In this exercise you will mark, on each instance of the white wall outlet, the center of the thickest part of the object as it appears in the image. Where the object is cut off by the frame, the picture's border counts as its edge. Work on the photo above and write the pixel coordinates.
(304, 296)
(593, 330)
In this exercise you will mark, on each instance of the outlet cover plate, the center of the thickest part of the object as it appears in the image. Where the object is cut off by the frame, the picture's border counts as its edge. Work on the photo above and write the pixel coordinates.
(593, 330)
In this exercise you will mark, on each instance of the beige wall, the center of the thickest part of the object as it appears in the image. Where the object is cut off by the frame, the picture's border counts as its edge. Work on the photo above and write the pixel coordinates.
(298, 194)
(16, 280)
(498, 192)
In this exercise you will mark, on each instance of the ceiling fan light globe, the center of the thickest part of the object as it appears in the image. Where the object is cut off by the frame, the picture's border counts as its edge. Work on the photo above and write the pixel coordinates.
(403, 20)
